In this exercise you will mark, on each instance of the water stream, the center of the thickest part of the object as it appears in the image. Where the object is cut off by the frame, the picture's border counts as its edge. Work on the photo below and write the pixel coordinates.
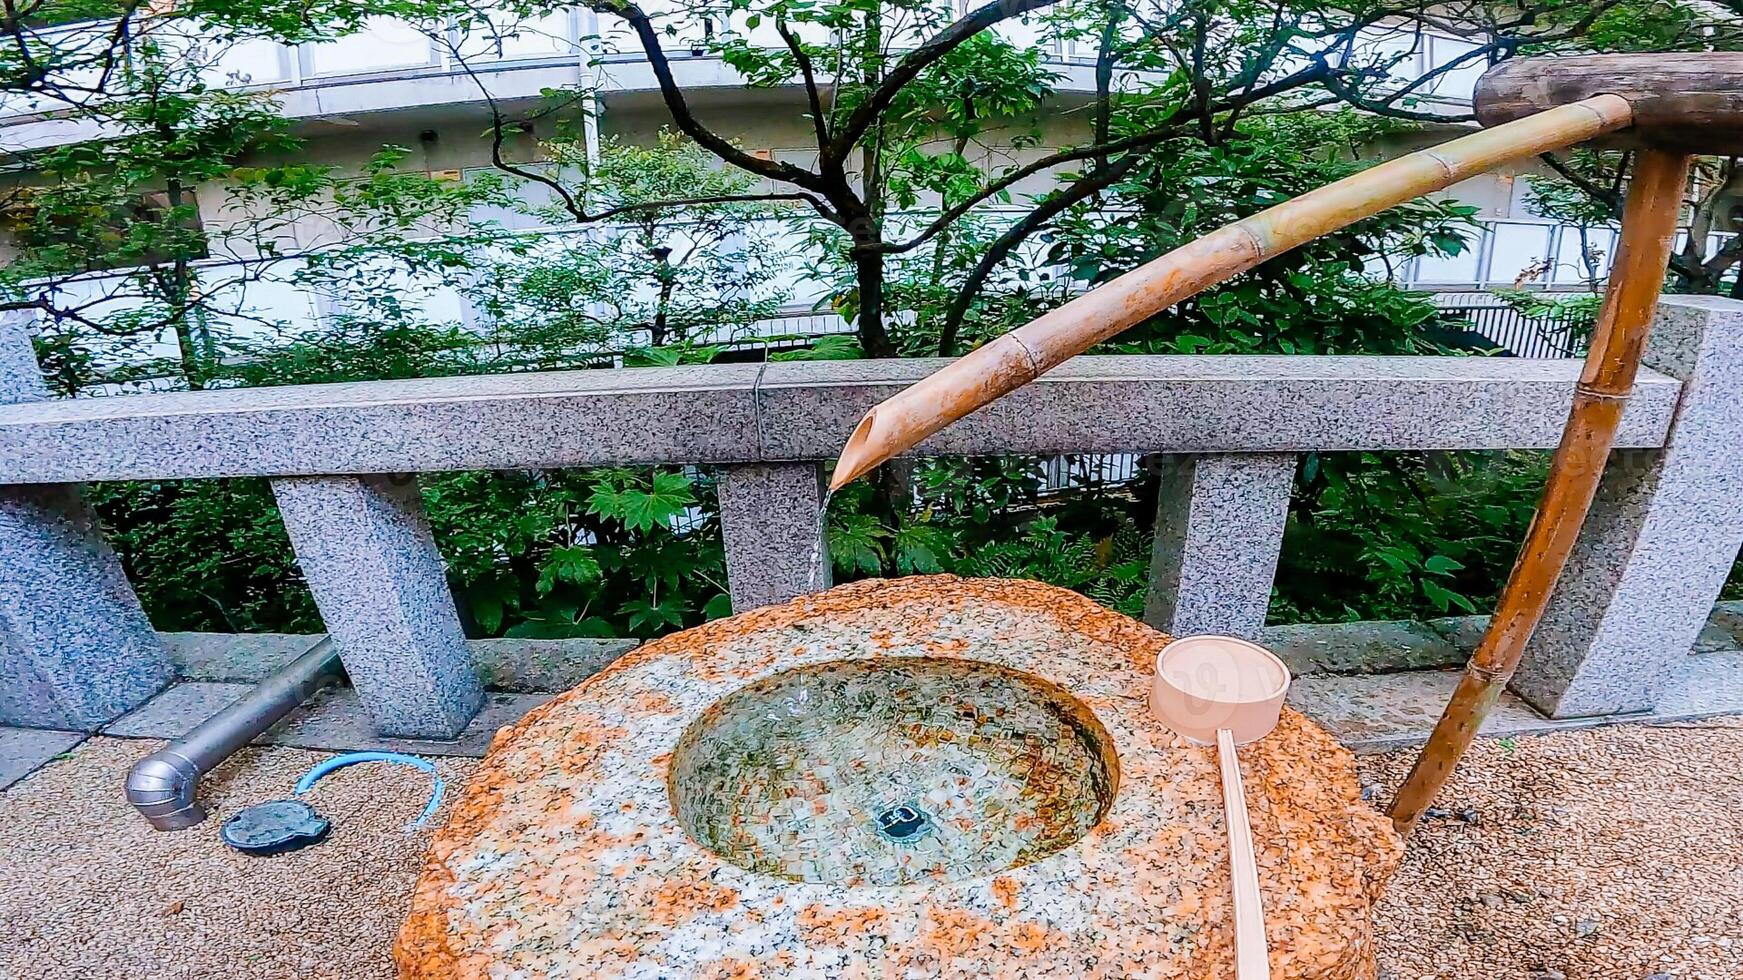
(814, 566)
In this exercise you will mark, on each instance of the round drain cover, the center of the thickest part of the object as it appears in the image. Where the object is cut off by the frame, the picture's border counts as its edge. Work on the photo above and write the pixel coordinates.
(275, 827)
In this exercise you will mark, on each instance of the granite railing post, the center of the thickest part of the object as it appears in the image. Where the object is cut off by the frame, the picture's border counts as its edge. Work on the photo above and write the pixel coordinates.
(1219, 529)
(76, 650)
(771, 518)
(1661, 536)
(366, 550)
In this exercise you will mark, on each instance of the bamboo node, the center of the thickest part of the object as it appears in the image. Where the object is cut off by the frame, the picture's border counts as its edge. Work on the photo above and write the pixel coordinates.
(1488, 675)
(1035, 369)
(1588, 390)
(1245, 226)
(1445, 167)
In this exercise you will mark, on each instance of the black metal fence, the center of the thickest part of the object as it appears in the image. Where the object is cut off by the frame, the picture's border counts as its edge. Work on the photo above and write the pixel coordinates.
(1511, 333)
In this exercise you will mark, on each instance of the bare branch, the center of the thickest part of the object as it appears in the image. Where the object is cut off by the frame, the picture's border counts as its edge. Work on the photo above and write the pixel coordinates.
(1602, 195)
(1169, 129)
(1105, 60)
(576, 208)
(1013, 236)
(821, 208)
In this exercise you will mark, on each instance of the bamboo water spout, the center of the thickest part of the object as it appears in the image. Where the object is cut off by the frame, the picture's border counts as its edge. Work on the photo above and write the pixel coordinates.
(1026, 353)
(1672, 106)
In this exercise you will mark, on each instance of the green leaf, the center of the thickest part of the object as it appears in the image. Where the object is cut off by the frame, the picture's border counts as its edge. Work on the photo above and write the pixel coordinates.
(652, 357)
(487, 613)
(855, 544)
(1441, 565)
(718, 607)
(489, 600)
(562, 629)
(641, 509)
(1447, 242)
(831, 347)
(1391, 559)
(1443, 597)
(647, 618)
(918, 549)
(574, 566)
(541, 629)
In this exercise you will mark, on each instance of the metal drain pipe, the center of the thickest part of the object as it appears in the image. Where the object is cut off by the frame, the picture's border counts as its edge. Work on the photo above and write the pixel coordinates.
(162, 785)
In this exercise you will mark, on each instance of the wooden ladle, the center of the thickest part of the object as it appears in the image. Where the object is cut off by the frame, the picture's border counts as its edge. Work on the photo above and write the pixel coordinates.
(1227, 691)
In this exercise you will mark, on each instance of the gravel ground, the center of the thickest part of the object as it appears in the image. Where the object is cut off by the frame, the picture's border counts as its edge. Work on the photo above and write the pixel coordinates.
(1615, 853)
(88, 891)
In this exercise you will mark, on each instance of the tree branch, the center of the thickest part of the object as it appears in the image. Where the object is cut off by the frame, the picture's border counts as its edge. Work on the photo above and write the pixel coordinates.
(1013, 236)
(821, 208)
(809, 74)
(680, 109)
(1604, 196)
(916, 61)
(1105, 60)
(571, 203)
(1029, 170)
(1170, 129)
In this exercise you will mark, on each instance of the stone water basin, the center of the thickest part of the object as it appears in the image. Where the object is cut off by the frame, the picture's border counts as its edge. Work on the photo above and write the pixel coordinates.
(925, 777)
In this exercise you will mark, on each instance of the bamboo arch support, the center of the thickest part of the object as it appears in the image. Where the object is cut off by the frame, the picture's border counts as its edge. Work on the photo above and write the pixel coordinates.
(1671, 105)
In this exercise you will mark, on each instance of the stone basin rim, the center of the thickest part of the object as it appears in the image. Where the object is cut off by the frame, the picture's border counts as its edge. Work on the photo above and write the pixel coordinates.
(505, 887)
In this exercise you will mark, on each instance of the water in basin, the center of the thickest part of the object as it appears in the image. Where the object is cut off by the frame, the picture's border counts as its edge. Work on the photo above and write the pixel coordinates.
(892, 770)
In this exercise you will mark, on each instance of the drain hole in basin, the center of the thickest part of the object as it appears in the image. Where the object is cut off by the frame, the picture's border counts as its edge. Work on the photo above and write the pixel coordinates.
(891, 770)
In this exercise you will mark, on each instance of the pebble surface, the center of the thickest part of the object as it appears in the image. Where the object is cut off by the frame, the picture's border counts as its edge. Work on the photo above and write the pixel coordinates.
(1612, 854)
(88, 891)
(563, 858)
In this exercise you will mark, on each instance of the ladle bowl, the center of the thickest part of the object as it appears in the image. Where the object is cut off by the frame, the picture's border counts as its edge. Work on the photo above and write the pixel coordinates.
(1209, 682)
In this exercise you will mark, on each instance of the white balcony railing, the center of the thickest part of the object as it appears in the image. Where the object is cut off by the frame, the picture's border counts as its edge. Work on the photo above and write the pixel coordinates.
(398, 49)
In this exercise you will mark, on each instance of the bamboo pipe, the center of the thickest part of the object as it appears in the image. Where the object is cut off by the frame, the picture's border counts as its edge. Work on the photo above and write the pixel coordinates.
(1024, 354)
(1648, 230)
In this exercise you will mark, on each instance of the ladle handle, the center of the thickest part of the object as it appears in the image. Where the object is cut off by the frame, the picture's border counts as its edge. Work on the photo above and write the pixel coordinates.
(1252, 959)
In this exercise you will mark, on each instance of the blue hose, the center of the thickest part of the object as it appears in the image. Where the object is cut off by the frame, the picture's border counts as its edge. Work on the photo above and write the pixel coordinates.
(352, 758)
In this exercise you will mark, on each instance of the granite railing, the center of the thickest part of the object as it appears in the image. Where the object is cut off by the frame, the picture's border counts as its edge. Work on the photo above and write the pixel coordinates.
(76, 650)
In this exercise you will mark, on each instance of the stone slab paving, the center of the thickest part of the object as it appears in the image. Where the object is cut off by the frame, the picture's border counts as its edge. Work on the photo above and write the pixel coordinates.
(530, 666)
(177, 710)
(25, 750)
(1368, 713)
(1727, 617)
(334, 720)
(505, 664)
(234, 657)
(1382, 647)
(1389, 711)
(337, 722)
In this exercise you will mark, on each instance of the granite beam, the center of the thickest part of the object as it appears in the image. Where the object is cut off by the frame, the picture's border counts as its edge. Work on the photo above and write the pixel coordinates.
(804, 411)
(1214, 404)
(366, 550)
(771, 517)
(572, 418)
(76, 649)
